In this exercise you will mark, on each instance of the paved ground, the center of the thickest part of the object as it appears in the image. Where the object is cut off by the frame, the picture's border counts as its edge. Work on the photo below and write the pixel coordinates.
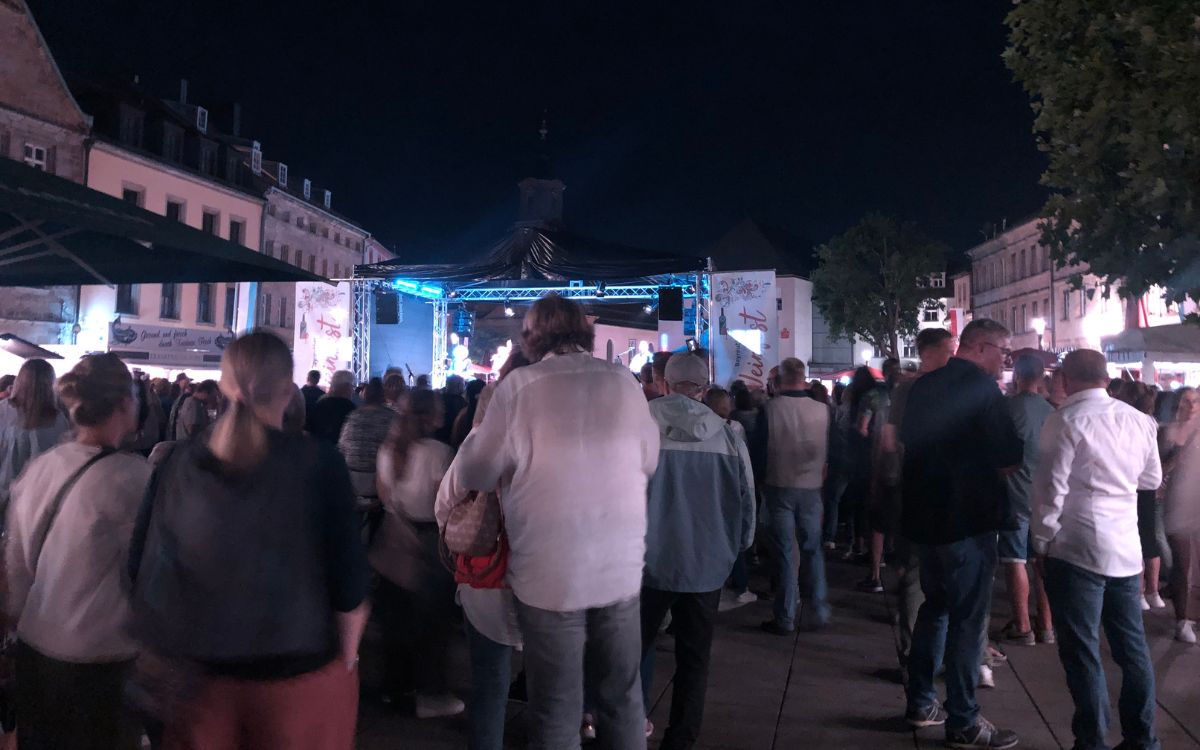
(839, 689)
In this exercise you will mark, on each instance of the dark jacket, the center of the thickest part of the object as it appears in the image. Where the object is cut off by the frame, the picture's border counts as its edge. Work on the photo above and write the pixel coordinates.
(958, 435)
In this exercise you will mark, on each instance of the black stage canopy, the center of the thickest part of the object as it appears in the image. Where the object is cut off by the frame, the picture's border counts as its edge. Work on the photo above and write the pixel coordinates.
(54, 231)
(545, 254)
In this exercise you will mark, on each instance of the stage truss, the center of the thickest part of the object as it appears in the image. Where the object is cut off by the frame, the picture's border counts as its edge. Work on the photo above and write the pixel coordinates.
(695, 286)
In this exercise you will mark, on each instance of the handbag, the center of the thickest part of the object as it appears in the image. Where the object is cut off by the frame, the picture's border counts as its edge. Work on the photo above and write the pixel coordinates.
(474, 525)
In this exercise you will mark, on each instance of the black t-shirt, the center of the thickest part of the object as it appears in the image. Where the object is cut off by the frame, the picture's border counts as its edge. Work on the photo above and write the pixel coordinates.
(957, 434)
(327, 418)
(244, 572)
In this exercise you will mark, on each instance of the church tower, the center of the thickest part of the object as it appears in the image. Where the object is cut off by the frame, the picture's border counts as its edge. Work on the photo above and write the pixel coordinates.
(541, 193)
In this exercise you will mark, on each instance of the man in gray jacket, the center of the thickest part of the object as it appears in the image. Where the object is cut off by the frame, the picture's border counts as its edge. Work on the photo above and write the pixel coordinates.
(792, 442)
(700, 514)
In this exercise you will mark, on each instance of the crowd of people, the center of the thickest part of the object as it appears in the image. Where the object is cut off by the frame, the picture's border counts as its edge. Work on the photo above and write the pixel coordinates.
(196, 563)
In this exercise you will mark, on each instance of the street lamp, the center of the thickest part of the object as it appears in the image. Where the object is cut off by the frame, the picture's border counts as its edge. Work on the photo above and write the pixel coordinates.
(1039, 326)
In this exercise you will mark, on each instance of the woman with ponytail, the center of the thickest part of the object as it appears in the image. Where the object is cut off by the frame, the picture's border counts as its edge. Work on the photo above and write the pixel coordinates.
(415, 598)
(248, 564)
(69, 523)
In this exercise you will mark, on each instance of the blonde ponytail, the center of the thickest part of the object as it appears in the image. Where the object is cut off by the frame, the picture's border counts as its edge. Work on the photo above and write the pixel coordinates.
(256, 374)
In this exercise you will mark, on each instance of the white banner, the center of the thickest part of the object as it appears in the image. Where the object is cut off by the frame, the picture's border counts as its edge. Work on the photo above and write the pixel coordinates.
(165, 346)
(746, 344)
(324, 318)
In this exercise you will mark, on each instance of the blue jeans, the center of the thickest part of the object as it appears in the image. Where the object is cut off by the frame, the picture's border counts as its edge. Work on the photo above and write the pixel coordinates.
(1081, 602)
(797, 513)
(557, 644)
(956, 579)
(831, 494)
(491, 671)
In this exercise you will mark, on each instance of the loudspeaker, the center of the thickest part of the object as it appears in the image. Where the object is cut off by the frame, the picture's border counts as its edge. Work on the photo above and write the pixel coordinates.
(670, 303)
(387, 309)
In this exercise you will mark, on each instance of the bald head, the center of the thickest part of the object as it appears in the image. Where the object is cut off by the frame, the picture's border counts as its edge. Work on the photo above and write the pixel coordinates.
(1083, 369)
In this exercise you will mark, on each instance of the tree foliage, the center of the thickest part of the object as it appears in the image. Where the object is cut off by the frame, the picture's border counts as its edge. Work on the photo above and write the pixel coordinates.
(1115, 86)
(873, 280)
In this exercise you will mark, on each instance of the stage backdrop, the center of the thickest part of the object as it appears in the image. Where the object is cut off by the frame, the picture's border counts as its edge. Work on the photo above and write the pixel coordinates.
(324, 317)
(746, 321)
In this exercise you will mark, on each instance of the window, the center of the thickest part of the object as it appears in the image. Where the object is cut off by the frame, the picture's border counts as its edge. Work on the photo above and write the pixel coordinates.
(325, 267)
(325, 232)
(337, 271)
(1035, 309)
(265, 310)
(127, 299)
(132, 126)
(930, 315)
(284, 252)
(282, 175)
(1012, 322)
(283, 311)
(35, 156)
(269, 248)
(172, 143)
(204, 300)
(202, 119)
(307, 190)
(1012, 268)
(1024, 320)
(337, 237)
(312, 263)
(230, 305)
(1066, 305)
(1049, 313)
(299, 259)
(1024, 261)
(208, 157)
(168, 308)
(210, 222)
(174, 210)
(270, 209)
(300, 221)
(1082, 302)
(237, 231)
(132, 195)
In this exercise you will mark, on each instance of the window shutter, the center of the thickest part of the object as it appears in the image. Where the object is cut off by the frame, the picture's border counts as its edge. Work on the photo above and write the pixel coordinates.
(51, 161)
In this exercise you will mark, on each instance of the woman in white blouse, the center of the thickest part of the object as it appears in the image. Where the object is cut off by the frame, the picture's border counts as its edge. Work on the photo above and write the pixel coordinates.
(415, 598)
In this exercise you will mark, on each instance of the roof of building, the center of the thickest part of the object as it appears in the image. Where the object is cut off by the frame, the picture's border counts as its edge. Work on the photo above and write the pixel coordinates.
(39, 91)
(754, 245)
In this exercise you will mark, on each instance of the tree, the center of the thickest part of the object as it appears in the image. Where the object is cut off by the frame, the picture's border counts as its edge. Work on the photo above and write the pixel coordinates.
(1114, 85)
(873, 279)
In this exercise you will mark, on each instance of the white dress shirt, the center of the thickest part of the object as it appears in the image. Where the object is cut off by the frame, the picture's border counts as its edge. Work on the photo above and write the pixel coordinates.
(1096, 453)
(571, 444)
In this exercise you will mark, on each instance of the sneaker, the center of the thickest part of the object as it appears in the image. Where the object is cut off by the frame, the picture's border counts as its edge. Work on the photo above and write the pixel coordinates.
(983, 736)
(774, 628)
(1047, 637)
(587, 730)
(932, 715)
(1155, 600)
(829, 546)
(434, 706)
(746, 597)
(870, 586)
(1145, 605)
(1010, 634)
(1185, 631)
(986, 678)
(994, 657)
(649, 728)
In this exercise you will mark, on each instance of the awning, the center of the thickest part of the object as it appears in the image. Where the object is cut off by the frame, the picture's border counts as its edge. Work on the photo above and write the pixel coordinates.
(1173, 343)
(54, 231)
(19, 347)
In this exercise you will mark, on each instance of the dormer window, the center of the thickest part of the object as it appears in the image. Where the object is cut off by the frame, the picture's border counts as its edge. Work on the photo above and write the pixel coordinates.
(132, 126)
(328, 199)
(308, 190)
(202, 119)
(256, 158)
(282, 175)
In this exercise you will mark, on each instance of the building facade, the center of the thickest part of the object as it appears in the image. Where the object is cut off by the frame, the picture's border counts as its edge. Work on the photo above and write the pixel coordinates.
(1013, 280)
(43, 126)
(168, 158)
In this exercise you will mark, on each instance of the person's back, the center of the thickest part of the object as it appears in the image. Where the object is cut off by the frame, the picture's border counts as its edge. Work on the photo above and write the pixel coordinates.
(20, 443)
(701, 498)
(575, 445)
(797, 443)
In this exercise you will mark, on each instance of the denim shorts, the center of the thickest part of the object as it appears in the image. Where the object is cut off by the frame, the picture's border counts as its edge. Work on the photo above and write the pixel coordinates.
(1015, 544)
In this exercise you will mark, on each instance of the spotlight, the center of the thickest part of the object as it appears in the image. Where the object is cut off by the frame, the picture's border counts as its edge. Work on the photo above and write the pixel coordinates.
(600, 289)
(648, 308)
(509, 312)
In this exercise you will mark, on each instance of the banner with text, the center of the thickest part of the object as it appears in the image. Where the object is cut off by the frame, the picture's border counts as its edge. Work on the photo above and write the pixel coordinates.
(324, 318)
(746, 345)
(164, 346)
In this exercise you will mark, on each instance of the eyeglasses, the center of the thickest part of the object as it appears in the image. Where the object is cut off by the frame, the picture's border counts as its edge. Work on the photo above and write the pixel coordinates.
(1003, 350)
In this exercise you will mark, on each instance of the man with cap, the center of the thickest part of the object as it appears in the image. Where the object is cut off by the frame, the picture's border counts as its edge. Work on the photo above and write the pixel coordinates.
(700, 516)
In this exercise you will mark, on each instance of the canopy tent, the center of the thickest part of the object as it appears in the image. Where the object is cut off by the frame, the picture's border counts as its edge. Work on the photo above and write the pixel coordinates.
(1172, 343)
(54, 231)
(19, 347)
(540, 253)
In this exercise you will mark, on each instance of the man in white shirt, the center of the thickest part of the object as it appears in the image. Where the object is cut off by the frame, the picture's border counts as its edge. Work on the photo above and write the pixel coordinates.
(570, 441)
(1096, 452)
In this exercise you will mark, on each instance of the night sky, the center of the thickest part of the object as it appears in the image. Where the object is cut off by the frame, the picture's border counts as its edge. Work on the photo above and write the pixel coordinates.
(669, 122)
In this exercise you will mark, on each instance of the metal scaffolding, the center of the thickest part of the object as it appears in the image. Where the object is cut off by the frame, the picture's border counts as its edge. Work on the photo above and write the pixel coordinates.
(363, 290)
(441, 352)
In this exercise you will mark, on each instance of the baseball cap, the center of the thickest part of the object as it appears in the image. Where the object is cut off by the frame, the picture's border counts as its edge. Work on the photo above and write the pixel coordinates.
(686, 367)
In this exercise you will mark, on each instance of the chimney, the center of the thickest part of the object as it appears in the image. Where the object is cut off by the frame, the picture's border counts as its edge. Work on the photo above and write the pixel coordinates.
(237, 120)
(183, 91)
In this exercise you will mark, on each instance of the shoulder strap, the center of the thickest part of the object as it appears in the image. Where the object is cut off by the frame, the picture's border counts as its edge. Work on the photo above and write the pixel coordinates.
(56, 503)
